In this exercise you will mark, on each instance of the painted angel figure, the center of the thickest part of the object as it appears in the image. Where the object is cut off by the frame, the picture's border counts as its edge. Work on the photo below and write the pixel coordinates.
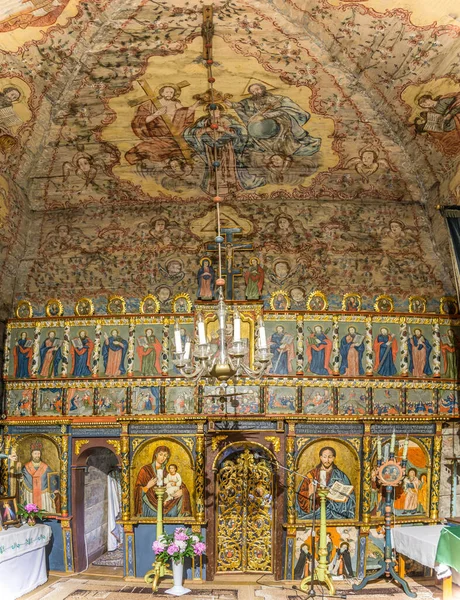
(84, 166)
(367, 163)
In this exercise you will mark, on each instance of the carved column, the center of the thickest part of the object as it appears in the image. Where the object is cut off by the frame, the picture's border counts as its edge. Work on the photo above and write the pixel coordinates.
(124, 438)
(130, 554)
(68, 546)
(97, 349)
(165, 348)
(368, 346)
(403, 342)
(367, 474)
(64, 472)
(290, 478)
(436, 473)
(36, 350)
(6, 358)
(199, 478)
(65, 350)
(130, 354)
(436, 349)
(335, 347)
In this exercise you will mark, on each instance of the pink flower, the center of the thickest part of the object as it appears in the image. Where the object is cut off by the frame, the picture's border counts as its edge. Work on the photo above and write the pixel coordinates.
(199, 548)
(158, 547)
(172, 549)
(180, 536)
(31, 508)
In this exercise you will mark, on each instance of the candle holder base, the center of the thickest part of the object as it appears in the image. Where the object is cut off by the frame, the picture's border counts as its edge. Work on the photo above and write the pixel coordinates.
(153, 576)
(387, 569)
(321, 575)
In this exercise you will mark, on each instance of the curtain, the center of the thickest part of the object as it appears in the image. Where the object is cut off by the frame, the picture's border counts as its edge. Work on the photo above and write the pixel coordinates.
(452, 217)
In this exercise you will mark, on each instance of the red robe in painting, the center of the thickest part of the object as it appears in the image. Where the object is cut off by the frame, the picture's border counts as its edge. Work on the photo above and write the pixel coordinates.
(146, 473)
(160, 144)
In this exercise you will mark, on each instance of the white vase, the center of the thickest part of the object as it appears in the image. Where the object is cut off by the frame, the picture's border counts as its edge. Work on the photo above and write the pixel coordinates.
(178, 577)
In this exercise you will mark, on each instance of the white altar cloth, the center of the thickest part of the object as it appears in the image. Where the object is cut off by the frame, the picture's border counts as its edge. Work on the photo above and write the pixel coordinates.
(22, 560)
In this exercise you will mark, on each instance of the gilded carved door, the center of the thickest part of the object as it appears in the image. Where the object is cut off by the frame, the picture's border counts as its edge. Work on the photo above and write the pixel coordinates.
(244, 513)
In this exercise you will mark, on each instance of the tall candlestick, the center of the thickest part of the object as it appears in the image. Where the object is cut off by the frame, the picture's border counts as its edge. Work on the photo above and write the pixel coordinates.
(393, 442)
(322, 478)
(177, 338)
(160, 477)
(236, 326)
(262, 335)
(379, 448)
(201, 330)
(406, 447)
(187, 350)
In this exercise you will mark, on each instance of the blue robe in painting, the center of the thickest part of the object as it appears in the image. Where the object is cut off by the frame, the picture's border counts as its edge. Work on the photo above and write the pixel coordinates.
(280, 358)
(80, 361)
(111, 347)
(345, 345)
(386, 362)
(334, 510)
(419, 345)
(227, 147)
(56, 358)
(23, 359)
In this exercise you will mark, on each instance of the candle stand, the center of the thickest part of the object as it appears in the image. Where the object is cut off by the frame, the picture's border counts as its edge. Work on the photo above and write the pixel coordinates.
(159, 568)
(321, 571)
(390, 474)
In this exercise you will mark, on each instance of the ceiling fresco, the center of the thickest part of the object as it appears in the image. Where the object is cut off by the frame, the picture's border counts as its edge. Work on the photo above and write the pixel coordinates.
(104, 104)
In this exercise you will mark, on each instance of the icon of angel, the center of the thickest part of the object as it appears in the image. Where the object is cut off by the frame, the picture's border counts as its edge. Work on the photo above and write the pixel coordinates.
(367, 163)
(84, 166)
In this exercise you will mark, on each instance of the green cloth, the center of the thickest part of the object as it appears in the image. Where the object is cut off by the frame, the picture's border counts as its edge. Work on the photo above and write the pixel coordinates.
(448, 552)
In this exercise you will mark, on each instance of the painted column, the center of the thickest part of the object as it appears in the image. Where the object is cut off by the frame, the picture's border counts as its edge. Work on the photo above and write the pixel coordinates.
(36, 351)
(290, 479)
(368, 347)
(165, 348)
(335, 347)
(6, 358)
(64, 473)
(300, 345)
(367, 475)
(68, 546)
(403, 343)
(97, 350)
(130, 355)
(65, 350)
(436, 350)
(130, 554)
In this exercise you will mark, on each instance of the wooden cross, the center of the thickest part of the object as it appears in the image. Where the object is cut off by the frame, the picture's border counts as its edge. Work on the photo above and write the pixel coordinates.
(156, 105)
(229, 247)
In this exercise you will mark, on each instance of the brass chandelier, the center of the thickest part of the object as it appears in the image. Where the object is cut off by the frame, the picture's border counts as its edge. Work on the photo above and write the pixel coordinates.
(224, 359)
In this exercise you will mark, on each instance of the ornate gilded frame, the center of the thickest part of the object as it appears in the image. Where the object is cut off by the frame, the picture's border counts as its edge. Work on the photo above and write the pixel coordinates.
(80, 307)
(384, 298)
(54, 302)
(351, 295)
(444, 300)
(312, 296)
(182, 296)
(155, 302)
(275, 295)
(27, 306)
(112, 310)
(412, 304)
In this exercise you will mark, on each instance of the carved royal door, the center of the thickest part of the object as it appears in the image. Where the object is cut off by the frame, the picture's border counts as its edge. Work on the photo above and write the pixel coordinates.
(244, 513)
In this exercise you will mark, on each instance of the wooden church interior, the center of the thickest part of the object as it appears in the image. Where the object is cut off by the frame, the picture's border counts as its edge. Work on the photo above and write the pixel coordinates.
(225, 256)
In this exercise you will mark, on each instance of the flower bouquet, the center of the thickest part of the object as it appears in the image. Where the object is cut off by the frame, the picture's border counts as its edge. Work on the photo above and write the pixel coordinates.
(183, 542)
(30, 512)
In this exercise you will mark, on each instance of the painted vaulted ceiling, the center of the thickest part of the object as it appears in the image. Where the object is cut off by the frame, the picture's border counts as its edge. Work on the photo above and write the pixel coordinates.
(103, 103)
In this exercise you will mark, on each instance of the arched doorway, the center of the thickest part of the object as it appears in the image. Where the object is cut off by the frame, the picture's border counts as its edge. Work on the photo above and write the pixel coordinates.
(93, 503)
(245, 492)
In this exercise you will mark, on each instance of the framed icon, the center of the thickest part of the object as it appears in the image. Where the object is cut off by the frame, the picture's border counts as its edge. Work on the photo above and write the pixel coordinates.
(150, 305)
(84, 307)
(448, 305)
(317, 301)
(280, 300)
(24, 310)
(181, 303)
(54, 308)
(417, 304)
(116, 305)
(384, 303)
(351, 302)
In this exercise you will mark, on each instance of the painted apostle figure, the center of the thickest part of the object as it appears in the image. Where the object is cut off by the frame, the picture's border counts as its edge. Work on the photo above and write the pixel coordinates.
(351, 352)
(81, 352)
(50, 355)
(282, 347)
(114, 351)
(145, 499)
(149, 353)
(308, 500)
(319, 349)
(419, 354)
(386, 351)
(254, 280)
(22, 355)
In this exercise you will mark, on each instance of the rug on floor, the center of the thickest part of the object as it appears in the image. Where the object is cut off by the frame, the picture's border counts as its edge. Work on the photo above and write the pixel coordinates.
(110, 559)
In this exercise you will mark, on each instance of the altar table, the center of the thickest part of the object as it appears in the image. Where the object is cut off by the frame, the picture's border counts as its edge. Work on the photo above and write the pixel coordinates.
(422, 544)
(22, 559)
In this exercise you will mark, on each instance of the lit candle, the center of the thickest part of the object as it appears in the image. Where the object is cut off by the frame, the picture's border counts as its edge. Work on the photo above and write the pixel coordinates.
(187, 350)
(393, 442)
(406, 446)
(177, 338)
(379, 448)
(159, 477)
(201, 330)
(236, 326)
(322, 478)
(262, 335)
